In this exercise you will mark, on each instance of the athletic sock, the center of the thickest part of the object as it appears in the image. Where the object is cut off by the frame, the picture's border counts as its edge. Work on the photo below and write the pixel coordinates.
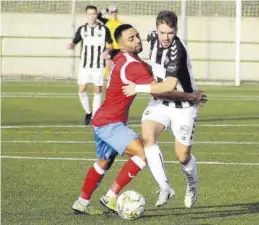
(84, 99)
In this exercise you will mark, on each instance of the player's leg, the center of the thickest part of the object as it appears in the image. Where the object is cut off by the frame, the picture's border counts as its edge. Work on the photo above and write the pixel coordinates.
(83, 80)
(97, 99)
(188, 163)
(120, 137)
(132, 167)
(98, 83)
(106, 156)
(183, 122)
(91, 182)
(154, 121)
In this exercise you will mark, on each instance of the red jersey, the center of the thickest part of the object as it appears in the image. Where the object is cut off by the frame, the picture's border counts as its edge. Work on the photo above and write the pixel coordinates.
(115, 108)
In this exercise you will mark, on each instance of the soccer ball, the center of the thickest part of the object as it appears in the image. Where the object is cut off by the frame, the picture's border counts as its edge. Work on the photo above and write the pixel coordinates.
(131, 205)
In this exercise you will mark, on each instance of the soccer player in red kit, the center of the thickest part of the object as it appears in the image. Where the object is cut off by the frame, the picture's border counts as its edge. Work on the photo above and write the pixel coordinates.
(112, 135)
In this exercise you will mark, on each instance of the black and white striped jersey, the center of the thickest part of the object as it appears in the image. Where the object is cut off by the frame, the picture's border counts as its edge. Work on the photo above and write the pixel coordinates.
(94, 40)
(172, 62)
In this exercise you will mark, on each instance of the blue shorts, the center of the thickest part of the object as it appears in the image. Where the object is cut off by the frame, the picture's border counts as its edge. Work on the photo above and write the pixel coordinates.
(112, 139)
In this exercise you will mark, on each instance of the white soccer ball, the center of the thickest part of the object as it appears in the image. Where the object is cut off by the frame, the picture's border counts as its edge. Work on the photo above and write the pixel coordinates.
(131, 205)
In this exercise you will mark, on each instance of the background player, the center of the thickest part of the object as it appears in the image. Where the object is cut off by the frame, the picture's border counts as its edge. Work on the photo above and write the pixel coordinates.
(112, 22)
(94, 37)
(171, 67)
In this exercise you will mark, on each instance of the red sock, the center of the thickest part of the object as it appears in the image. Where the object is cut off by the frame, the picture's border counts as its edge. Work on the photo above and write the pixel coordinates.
(127, 173)
(91, 182)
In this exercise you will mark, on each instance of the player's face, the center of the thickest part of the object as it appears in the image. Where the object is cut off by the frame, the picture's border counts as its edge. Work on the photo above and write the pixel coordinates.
(166, 34)
(91, 15)
(131, 41)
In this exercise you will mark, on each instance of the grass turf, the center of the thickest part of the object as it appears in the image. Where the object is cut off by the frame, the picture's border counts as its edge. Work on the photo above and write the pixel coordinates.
(41, 191)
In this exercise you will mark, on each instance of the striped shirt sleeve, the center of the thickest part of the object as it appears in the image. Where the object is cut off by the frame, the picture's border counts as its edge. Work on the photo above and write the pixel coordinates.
(176, 56)
(108, 37)
(77, 37)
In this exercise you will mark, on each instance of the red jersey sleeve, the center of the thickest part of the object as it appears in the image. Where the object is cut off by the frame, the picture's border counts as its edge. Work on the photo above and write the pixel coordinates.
(139, 73)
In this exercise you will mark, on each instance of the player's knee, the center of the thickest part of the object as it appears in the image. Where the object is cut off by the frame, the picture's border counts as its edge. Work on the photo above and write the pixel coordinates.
(105, 164)
(142, 156)
(109, 164)
(148, 139)
(97, 92)
(82, 88)
(97, 89)
(139, 153)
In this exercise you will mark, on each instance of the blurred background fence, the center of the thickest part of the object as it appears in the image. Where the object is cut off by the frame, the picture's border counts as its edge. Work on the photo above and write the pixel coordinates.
(222, 36)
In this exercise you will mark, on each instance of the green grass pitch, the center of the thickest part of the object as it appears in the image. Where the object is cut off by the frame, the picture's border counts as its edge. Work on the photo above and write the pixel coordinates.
(41, 121)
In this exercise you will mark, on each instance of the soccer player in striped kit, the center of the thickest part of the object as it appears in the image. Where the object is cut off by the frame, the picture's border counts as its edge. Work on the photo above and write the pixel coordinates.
(94, 37)
(171, 67)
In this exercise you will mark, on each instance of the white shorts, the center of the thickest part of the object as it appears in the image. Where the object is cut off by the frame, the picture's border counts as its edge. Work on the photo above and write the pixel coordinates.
(90, 75)
(181, 120)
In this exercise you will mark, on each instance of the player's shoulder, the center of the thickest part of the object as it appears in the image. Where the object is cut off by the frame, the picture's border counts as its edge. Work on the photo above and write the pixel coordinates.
(102, 26)
(152, 36)
(127, 57)
(81, 27)
(177, 49)
(178, 44)
(127, 60)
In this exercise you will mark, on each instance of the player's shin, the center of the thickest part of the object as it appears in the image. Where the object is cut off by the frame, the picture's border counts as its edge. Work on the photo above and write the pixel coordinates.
(92, 179)
(97, 101)
(127, 173)
(84, 99)
(156, 165)
(190, 171)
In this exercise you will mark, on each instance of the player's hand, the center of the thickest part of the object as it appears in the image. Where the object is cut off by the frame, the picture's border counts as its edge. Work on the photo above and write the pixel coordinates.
(199, 97)
(104, 11)
(106, 55)
(130, 89)
(71, 45)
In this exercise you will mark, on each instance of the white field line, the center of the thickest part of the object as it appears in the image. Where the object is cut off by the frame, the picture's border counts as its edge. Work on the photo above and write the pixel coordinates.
(141, 97)
(44, 93)
(48, 132)
(160, 142)
(123, 160)
(63, 83)
(131, 125)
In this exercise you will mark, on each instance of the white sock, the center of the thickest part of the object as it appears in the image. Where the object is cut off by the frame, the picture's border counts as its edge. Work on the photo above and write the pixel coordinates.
(84, 99)
(97, 101)
(190, 171)
(83, 202)
(111, 193)
(156, 164)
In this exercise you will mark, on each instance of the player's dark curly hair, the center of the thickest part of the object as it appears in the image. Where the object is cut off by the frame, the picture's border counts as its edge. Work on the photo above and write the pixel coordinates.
(120, 29)
(167, 17)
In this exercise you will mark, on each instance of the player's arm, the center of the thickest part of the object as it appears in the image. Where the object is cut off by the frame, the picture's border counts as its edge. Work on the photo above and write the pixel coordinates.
(169, 85)
(195, 97)
(100, 16)
(173, 68)
(109, 42)
(76, 39)
(143, 82)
